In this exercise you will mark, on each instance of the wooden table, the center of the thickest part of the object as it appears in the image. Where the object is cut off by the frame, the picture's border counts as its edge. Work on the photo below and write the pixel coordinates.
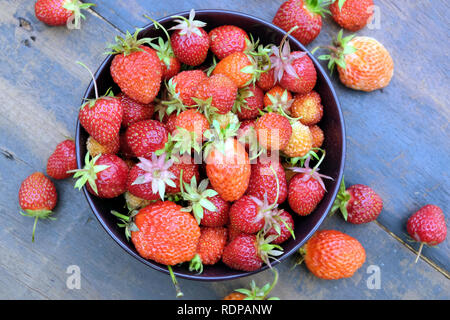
(398, 142)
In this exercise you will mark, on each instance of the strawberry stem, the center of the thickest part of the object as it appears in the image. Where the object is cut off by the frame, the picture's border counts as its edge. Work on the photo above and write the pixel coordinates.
(419, 253)
(92, 76)
(175, 282)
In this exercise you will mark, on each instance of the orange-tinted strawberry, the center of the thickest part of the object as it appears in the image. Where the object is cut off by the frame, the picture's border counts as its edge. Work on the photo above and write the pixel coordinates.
(166, 234)
(249, 101)
(266, 80)
(134, 111)
(190, 42)
(105, 175)
(308, 108)
(331, 254)
(62, 160)
(306, 15)
(193, 121)
(273, 131)
(278, 99)
(216, 94)
(37, 197)
(227, 163)
(228, 39)
(145, 137)
(363, 63)
(135, 68)
(210, 247)
(235, 296)
(317, 136)
(61, 12)
(352, 15)
(300, 141)
(237, 66)
(182, 87)
(96, 148)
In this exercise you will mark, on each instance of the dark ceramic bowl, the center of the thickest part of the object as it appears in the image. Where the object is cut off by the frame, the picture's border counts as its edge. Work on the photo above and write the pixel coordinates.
(332, 124)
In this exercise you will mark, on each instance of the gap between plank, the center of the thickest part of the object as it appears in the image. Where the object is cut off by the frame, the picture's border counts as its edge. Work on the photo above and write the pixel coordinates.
(96, 14)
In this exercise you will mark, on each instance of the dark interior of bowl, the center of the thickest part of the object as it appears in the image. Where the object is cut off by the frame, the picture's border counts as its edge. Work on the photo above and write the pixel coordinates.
(332, 124)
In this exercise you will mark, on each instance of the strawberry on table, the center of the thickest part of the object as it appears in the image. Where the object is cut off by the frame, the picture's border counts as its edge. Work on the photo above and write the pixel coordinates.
(62, 160)
(61, 12)
(136, 68)
(427, 226)
(352, 15)
(190, 42)
(37, 197)
(228, 39)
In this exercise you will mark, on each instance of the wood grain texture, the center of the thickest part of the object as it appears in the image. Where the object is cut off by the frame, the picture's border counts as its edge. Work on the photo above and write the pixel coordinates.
(403, 154)
(398, 139)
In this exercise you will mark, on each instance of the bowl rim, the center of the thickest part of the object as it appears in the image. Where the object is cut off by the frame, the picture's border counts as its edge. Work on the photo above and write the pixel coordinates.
(286, 254)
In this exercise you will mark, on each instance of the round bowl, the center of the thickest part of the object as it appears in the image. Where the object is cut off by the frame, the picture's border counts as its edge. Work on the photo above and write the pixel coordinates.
(332, 124)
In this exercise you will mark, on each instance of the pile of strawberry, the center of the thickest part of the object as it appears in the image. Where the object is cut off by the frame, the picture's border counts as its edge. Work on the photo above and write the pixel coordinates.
(199, 141)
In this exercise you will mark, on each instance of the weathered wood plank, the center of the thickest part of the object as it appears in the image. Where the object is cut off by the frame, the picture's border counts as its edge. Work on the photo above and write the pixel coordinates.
(398, 138)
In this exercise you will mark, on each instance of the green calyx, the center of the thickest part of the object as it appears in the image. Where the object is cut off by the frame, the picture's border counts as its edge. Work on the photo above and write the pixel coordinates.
(300, 161)
(89, 173)
(256, 293)
(342, 199)
(173, 102)
(129, 44)
(37, 214)
(340, 3)
(198, 197)
(196, 264)
(267, 250)
(182, 142)
(163, 48)
(127, 222)
(205, 107)
(216, 136)
(75, 6)
(319, 7)
(241, 102)
(339, 49)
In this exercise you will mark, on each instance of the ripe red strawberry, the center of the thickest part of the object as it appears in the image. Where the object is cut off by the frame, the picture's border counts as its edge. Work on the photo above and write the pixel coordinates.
(247, 133)
(427, 226)
(306, 15)
(306, 189)
(352, 15)
(192, 121)
(145, 137)
(249, 101)
(170, 122)
(266, 80)
(61, 12)
(263, 180)
(125, 150)
(294, 71)
(37, 197)
(210, 247)
(216, 95)
(96, 148)
(184, 165)
(248, 252)
(283, 229)
(220, 216)
(190, 42)
(228, 39)
(358, 204)
(273, 131)
(246, 216)
(134, 111)
(105, 176)
(182, 88)
(136, 69)
(62, 160)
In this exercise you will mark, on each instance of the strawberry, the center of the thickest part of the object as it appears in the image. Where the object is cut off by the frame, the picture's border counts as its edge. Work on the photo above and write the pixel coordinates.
(145, 137)
(233, 232)
(106, 175)
(249, 101)
(136, 68)
(283, 229)
(37, 197)
(363, 63)
(247, 133)
(216, 94)
(266, 80)
(184, 169)
(255, 293)
(306, 189)
(190, 43)
(427, 226)
(96, 148)
(62, 160)
(358, 203)
(149, 178)
(273, 131)
(333, 255)
(61, 12)
(182, 88)
(317, 136)
(192, 121)
(300, 141)
(306, 15)
(248, 252)
(125, 149)
(278, 98)
(294, 71)
(210, 247)
(228, 39)
(166, 234)
(225, 120)
(263, 180)
(218, 217)
(227, 162)
(170, 122)
(308, 108)
(134, 111)
(352, 15)
(135, 203)
(246, 215)
(239, 67)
